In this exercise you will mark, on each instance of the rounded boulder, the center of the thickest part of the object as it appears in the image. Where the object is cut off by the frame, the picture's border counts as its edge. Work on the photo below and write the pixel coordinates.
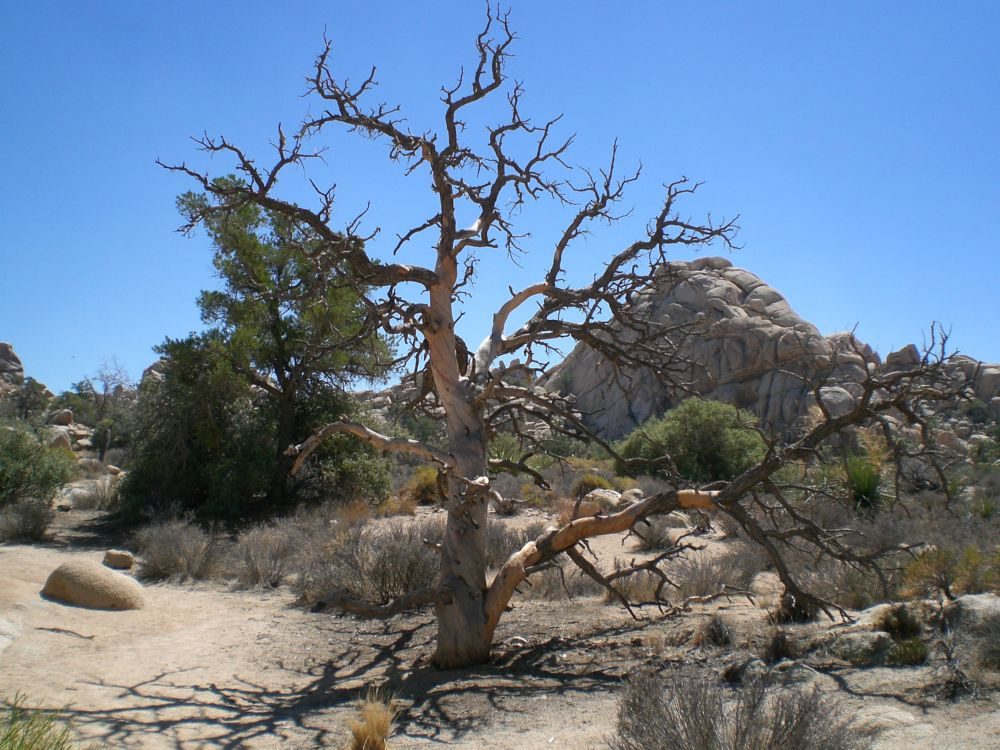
(86, 583)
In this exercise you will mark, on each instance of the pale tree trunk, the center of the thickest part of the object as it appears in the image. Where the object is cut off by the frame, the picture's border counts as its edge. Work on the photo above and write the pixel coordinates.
(463, 635)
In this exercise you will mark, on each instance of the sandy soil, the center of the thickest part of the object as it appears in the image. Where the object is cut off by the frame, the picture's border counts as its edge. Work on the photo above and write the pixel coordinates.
(207, 667)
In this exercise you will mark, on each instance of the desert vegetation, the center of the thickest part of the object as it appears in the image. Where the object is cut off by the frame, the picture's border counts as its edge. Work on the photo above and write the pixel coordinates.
(473, 487)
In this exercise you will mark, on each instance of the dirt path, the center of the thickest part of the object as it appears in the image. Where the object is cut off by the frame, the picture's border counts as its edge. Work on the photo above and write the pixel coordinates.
(206, 667)
(202, 667)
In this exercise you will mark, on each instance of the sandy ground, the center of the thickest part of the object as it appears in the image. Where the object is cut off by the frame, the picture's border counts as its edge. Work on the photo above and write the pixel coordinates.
(207, 667)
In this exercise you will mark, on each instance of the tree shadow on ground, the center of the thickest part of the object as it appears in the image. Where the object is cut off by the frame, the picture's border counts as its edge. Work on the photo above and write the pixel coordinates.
(307, 704)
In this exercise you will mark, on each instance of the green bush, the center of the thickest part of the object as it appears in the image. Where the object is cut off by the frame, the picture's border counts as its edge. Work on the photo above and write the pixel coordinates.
(28, 469)
(900, 623)
(944, 570)
(704, 440)
(864, 482)
(206, 442)
(909, 652)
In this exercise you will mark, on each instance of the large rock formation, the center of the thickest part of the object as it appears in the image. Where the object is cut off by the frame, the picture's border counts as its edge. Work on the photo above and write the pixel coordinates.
(11, 369)
(750, 347)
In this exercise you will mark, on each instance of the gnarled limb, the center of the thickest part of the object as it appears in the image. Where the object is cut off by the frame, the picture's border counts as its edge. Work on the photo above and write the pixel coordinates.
(367, 435)
(556, 541)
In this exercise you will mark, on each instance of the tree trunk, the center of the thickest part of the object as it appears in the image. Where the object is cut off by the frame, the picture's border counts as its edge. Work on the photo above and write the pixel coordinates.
(464, 637)
(277, 494)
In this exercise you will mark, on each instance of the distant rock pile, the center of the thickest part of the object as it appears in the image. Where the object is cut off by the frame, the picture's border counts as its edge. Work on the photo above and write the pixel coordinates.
(11, 369)
(752, 350)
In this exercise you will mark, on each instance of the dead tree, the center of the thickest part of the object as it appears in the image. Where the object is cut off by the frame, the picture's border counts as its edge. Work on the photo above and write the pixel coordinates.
(509, 167)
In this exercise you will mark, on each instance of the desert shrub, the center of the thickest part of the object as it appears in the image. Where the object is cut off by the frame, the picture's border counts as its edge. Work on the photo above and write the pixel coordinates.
(558, 582)
(207, 442)
(945, 571)
(932, 571)
(265, 554)
(371, 728)
(652, 485)
(397, 505)
(508, 486)
(422, 486)
(864, 481)
(102, 495)
(23, 728)
(987, 654)
(590, 482)
(732, 569)
(908, 652)
(715, 631)
(375, 562)
(179, 550)
(505, 446)
(850, 587)
(659, 532)
(506, 507)
(29, 469)
(689, 712)
(27, 403)
(705, 440)
(984, 504)
(899, 622)
(778, 646)
(641, 587)
(25, 520)
(502, 539)
(792, 609)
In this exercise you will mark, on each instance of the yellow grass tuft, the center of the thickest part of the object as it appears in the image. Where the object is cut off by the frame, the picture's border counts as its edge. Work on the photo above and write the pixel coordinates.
(371, 728)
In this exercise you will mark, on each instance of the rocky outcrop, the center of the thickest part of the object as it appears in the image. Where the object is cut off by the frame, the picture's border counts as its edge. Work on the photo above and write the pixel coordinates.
(119, 559)
(11, 369)
(86, 583)
(62, 417)
(753, 351)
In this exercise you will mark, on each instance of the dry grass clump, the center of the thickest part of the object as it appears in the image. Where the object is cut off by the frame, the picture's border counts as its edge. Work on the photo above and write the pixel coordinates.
(371, 728)
(398, 505)
(638, 588)
(659, 532)
(375, 562)
(502, 539)
(265, 554)
(714, 632)
(731, 570)
(102, 495)
(179, 550)
(558, 582)
(690, 712)
(25, 520)
(778, 646)
(422, 487)
(22, 728)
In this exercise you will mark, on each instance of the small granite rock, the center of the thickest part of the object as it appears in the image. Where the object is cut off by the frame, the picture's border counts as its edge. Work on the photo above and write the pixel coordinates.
(119, 559)
(86, 583)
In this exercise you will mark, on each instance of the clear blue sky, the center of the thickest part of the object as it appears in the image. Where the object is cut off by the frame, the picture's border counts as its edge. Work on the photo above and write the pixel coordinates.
(859, 142)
